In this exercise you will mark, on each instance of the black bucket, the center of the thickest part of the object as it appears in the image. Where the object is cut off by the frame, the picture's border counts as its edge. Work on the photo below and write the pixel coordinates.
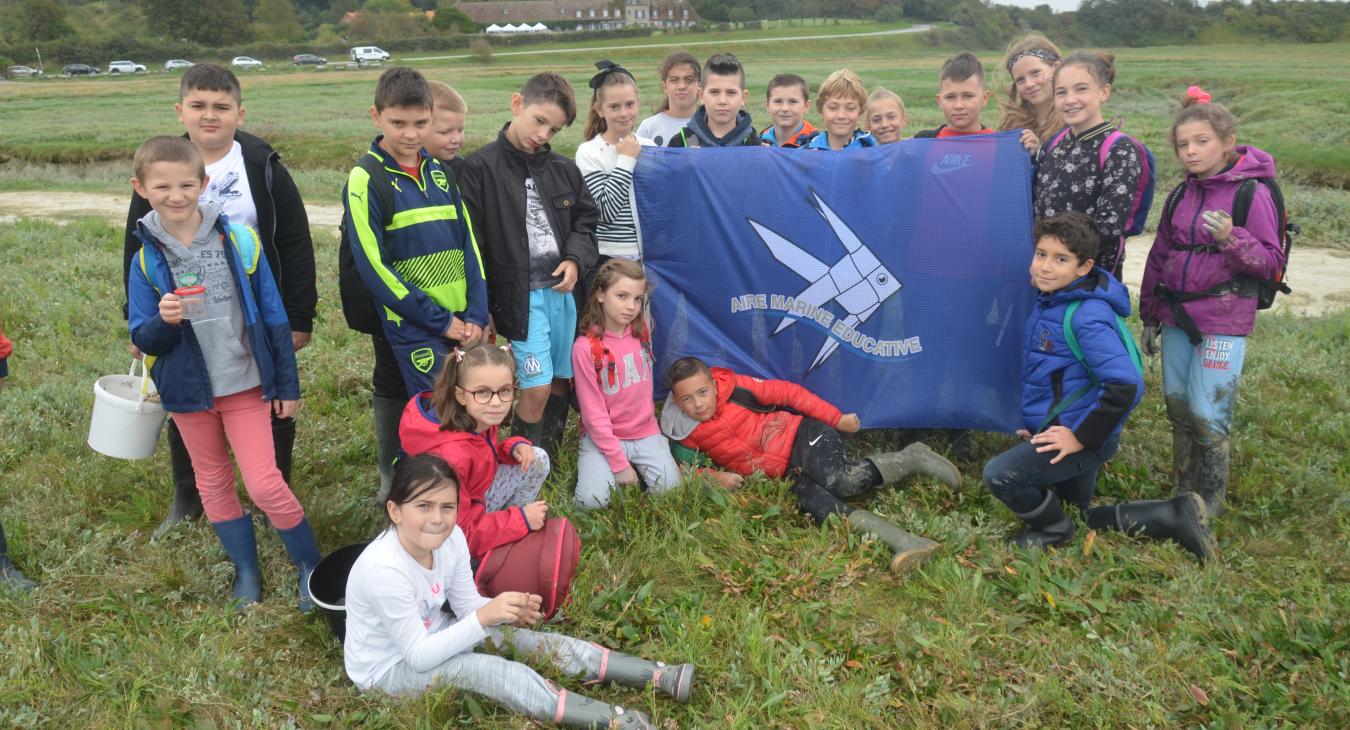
(328, 585)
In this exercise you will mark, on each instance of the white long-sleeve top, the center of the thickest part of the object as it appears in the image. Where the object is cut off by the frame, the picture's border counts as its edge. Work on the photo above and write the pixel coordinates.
(609, 178)
(394, 608)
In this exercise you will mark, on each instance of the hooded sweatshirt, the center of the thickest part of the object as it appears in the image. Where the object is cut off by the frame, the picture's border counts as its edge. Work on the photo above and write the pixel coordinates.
(219, 329)
(697, 133)
(1051, 372)
(616, 404)
(1185, 258)
(475, 457)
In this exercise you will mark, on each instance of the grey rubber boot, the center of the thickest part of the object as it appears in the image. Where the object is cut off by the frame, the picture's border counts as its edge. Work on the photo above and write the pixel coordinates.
(1181, 519)
(187, 501)
(10, 577)
(388, 412)
(675, 681)
(1209, 465)
(1047, 525)
(916, 460)
(909, 549)
(576, 710)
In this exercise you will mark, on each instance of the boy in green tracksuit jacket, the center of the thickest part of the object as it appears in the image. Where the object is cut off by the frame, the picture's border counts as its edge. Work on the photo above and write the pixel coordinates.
(414, 249)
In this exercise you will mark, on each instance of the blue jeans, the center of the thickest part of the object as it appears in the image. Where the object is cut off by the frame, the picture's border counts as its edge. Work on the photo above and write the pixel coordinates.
(1200, 381)
(1019, 476)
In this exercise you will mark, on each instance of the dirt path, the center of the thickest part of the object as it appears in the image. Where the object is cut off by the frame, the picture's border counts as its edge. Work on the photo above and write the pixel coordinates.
(1320, 277)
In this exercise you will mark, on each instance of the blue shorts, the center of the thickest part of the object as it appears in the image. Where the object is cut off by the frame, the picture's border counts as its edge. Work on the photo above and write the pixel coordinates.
(546, 354)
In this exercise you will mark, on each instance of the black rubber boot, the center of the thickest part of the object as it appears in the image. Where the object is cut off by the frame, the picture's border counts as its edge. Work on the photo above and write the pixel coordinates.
(1047, 525)
(554, 425)
(909, 549)
(388, 412)
(1209, 464)
(580, 711)
(10, 577)
(1181, 519)
(675, 681)
(187, 501)
(532, 432)
(916, 460)
(283, 441)
(241, 545)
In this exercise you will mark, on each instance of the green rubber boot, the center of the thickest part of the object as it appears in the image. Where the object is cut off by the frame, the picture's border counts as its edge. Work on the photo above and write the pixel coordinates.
(909, 550)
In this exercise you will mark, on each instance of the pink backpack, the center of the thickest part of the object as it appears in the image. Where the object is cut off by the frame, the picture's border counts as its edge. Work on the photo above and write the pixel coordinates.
(543, 562)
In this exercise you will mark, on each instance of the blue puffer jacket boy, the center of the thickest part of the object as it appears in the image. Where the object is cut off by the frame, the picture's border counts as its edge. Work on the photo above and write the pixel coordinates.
(1051, 372)
(178, 367)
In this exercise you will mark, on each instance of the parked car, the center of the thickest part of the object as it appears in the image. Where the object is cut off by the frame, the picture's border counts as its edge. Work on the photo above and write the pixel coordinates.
(23, 72)
(368, 54)
(78, 69)
(246, 62)
(125, 67)
(175, 64)
(308, 59)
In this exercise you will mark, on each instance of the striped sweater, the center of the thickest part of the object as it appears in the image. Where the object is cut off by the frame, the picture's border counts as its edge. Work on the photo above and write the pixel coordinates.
(609, 177)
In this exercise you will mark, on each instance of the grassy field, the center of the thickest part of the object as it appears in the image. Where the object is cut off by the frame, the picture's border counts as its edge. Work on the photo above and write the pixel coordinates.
(792, 626)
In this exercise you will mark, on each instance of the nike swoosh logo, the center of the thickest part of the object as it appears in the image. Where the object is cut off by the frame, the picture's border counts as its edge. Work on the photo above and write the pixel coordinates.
(813, 441)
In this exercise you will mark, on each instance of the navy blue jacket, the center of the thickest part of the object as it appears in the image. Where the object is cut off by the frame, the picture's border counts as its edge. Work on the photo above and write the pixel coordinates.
(178, 368)
(1050, 372)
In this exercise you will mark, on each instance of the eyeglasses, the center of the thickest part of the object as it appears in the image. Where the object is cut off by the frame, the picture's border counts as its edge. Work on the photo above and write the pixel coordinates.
(505, 394)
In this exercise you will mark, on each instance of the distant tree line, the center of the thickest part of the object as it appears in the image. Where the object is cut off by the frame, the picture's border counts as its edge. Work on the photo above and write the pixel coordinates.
(67, 29)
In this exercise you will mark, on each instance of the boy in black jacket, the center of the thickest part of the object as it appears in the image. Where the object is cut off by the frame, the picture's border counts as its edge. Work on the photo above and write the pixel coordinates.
(535, 224)
(254, 188)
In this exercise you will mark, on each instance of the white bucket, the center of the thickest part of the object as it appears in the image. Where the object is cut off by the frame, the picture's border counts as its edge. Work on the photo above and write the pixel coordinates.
(127, 420)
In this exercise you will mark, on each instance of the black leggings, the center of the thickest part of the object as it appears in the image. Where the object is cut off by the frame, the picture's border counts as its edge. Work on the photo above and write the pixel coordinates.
(821, 473)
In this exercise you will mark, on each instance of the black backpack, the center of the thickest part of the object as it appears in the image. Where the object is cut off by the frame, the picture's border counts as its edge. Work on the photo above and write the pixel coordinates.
(357, 306)
(1263, 289)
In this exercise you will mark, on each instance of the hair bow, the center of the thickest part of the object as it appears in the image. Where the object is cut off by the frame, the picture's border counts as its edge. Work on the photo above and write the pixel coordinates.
(1199, 95)
(608, 67)
(458, 354)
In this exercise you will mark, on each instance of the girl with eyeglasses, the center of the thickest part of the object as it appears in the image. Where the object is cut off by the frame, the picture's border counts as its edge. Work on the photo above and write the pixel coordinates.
(459, 420)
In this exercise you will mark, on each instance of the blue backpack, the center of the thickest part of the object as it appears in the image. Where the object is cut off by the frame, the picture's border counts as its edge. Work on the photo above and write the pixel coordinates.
(1143, 193)
(1122, 329)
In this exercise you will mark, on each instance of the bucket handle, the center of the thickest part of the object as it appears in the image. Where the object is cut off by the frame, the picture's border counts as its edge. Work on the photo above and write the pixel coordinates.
(144, 390)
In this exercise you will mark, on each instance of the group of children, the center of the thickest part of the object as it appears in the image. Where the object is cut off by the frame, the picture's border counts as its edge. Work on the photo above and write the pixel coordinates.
(502, 285)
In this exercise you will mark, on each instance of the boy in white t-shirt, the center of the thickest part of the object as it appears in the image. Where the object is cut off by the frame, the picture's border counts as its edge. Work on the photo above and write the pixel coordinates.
(254, 188)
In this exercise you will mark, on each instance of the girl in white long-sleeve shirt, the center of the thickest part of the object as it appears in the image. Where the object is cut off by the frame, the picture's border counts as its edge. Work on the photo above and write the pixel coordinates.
(414, 617)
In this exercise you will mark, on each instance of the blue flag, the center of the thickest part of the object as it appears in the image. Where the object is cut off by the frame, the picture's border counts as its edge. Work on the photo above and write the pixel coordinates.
(890, 281)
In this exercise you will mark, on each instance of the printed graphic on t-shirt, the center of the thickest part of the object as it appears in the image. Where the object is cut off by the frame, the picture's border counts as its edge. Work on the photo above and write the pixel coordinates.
(544, 253)
(229, 187)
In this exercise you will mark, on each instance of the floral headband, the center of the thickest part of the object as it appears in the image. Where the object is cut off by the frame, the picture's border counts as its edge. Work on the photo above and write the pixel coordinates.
(1041, 53)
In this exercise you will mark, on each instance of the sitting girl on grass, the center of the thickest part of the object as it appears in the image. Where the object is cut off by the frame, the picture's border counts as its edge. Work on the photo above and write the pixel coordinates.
(414, 618)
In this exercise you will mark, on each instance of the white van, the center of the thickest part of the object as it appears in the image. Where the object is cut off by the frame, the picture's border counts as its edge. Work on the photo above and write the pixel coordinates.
(367, 54)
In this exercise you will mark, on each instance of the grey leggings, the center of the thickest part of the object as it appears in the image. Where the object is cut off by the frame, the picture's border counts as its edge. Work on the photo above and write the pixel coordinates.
(508, 683)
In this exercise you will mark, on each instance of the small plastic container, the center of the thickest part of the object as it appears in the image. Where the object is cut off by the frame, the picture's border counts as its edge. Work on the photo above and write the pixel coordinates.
(193, 299)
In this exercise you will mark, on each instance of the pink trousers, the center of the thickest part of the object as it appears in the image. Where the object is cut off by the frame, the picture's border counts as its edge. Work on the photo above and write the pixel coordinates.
(244, 420)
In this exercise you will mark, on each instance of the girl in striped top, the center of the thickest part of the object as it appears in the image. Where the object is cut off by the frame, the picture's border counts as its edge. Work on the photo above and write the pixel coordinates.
(607, 159)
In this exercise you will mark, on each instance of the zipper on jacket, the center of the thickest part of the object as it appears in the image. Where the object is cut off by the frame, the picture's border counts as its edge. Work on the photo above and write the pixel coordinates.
(278, 271)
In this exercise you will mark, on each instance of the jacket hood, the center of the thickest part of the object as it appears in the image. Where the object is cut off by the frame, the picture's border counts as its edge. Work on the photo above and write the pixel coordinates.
(1252, 162)
(676, 425)
(153, 225)
(1096, 284)
(420, 431)
(699, 125)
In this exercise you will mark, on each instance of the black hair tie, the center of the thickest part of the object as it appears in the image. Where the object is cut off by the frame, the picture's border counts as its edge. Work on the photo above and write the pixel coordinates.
(608, 67)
